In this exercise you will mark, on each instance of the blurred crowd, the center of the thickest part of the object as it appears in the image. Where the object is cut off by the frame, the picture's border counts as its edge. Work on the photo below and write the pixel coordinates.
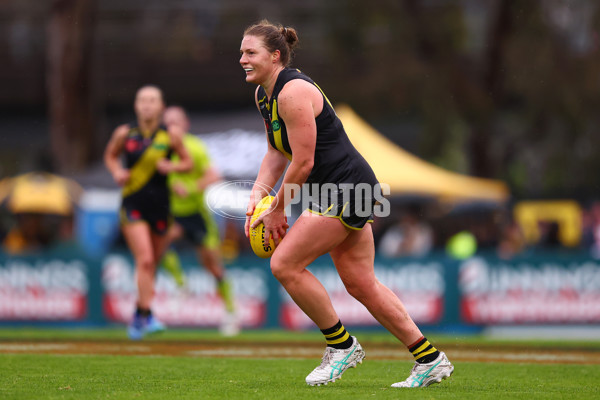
(38, 212)
(415, 231)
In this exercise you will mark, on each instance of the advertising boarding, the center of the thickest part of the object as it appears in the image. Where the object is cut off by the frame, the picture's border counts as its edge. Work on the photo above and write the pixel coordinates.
(43, 289)
(195, 304)
(420, 285)
(546, 291)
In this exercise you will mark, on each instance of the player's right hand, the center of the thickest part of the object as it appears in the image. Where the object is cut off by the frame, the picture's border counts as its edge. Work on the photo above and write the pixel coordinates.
(164, 166)
(249, 212)
(121, 176)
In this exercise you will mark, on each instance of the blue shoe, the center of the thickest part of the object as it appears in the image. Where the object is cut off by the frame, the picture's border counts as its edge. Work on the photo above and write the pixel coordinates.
(153, 325)
(142, 326)
(135, 330)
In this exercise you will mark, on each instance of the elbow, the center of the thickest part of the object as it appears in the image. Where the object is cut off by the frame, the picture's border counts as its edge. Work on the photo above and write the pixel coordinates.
(186, 166)
(217, 177)
(108, 159)
(306, 166)
(309, 165)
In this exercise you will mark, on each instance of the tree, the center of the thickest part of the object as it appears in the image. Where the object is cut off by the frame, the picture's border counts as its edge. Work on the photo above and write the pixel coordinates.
(69, 83)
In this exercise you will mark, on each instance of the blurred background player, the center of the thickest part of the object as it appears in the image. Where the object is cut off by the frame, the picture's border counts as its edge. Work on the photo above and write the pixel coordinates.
(145, 216)
(193, 220)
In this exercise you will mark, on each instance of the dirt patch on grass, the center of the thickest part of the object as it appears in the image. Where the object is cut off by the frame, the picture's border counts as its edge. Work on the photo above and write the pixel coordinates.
(298, 350)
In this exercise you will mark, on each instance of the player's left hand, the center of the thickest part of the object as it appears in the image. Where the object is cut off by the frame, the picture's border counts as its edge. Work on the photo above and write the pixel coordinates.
(176, 130)
(275, 225)
(180, 189)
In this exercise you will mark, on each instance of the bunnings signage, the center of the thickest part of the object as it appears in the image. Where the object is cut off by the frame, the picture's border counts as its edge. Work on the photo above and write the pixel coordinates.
(69, 287)
(420, 285)
(54, 289)
(196, 304)
(529, 291)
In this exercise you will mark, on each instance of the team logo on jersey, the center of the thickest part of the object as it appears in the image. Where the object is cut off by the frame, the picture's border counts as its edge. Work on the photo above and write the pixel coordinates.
(160, 146)
(276, 125)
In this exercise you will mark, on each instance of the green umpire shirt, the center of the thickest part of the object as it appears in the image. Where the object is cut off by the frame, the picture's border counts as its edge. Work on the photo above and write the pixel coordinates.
(193, 203)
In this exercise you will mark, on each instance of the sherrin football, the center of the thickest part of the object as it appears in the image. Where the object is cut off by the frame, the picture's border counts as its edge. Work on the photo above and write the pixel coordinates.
(257, 234)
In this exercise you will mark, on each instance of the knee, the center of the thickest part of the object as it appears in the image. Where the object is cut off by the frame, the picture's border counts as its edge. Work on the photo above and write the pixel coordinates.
(145, 264)
(360, 289)
(278, 268)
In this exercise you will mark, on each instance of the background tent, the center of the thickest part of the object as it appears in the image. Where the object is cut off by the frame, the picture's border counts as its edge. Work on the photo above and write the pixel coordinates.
(408, 174)
(41, 205)
(39, 192)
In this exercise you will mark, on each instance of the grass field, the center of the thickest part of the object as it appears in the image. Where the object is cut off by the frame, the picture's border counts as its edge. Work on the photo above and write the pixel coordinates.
(102, 364)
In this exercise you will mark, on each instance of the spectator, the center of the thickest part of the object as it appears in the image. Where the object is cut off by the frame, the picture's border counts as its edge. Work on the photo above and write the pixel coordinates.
(591, 229)
(512, 241)
(409, 237)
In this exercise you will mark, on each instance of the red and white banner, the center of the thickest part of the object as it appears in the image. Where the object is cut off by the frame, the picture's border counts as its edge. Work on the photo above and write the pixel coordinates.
(43, 290)
(420, 286)
(529, 293)
(195, 305)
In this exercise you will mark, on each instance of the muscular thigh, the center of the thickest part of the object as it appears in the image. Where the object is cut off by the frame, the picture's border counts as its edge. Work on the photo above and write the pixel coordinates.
(311, 236)
(139, 238)
(354, 257)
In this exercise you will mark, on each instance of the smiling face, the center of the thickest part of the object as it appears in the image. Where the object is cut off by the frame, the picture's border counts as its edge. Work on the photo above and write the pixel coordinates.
(258, 62)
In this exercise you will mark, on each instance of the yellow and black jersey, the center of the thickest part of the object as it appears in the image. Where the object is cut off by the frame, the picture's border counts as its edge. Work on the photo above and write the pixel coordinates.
(141, 154)
(335, 161)
(146, 194)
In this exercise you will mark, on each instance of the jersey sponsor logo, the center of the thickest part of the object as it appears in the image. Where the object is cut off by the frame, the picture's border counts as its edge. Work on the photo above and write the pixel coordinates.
(276, 125)
(132, 145)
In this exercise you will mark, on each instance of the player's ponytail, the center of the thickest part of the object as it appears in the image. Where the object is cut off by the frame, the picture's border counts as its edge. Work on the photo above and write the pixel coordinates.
(291, 37)
(276, 37)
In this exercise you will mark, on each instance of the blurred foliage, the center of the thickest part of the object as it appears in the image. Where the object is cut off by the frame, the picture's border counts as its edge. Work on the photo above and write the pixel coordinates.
(498, 88)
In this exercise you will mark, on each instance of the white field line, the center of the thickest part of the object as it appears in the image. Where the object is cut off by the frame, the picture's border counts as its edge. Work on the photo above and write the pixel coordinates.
(32, 347)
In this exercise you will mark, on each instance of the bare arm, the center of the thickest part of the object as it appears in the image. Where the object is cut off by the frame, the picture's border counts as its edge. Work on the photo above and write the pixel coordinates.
(271, 168)
(299, 103)
(185, 162)
(211, 175)
(112, 154)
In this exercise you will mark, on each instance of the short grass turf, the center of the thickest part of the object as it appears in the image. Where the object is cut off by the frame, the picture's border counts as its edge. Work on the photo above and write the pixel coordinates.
(32, 333)
(30, 376)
